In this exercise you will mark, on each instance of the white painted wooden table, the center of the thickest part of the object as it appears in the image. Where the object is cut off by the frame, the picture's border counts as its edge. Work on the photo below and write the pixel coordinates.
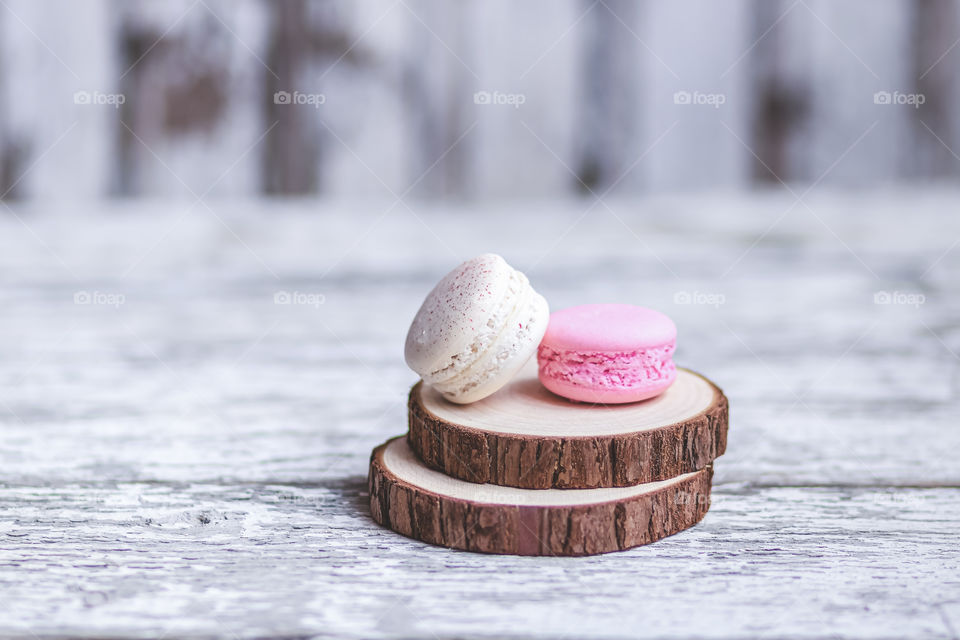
(190, 459)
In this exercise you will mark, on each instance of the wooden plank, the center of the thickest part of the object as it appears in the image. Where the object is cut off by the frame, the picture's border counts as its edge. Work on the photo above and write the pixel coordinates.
(178, 462)
(203, 377)
(275, 560)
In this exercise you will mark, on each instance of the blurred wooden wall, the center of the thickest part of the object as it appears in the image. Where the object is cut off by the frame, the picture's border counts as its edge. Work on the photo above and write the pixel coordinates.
(398, 79)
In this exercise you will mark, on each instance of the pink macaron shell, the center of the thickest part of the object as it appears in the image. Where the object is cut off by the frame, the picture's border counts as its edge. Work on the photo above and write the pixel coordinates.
(608, 327)
(609, 354)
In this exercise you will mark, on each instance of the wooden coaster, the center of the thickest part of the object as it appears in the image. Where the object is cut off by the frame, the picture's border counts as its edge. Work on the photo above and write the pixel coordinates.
(524, 436)
(421, 503)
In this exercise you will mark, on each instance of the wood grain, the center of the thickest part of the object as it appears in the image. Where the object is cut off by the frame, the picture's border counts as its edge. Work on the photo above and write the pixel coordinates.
(423, 504)
(524, 436)
(193, 462)
(142, 560)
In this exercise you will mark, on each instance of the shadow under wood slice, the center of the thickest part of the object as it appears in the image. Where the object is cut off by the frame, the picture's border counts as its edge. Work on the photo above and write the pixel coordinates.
(427, 505)
(524, 436)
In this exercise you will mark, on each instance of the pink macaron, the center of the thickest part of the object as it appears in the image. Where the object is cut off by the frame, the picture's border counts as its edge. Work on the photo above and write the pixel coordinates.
(608, 353)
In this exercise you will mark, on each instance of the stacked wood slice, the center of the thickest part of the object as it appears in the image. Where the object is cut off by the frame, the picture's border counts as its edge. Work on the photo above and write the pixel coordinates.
(528, 472)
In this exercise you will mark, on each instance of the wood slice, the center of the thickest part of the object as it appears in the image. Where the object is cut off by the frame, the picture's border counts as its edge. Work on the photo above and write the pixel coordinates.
(525, 436)
(418, 502)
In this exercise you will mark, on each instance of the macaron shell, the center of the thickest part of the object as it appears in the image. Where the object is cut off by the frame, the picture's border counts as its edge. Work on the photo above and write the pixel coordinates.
(507, 356)
(453, 323)
(609, 327)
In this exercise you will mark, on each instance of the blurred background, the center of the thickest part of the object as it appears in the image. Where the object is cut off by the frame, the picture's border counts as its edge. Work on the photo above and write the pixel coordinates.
(472, 100)
(218, 217)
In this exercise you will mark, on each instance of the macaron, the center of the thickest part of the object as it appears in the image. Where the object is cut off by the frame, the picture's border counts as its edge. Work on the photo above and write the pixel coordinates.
(476, 329)
(608, 353)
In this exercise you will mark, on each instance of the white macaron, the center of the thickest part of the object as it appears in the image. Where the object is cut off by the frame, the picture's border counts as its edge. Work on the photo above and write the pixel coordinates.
(476, 329)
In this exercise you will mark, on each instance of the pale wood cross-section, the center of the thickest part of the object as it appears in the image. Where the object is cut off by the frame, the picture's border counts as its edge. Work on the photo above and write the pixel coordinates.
(524, 436)
(430, 506)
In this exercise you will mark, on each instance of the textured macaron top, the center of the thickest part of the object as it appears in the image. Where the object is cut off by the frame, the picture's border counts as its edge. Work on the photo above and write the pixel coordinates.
(609, 327)
(458, 316)
(480, 323)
